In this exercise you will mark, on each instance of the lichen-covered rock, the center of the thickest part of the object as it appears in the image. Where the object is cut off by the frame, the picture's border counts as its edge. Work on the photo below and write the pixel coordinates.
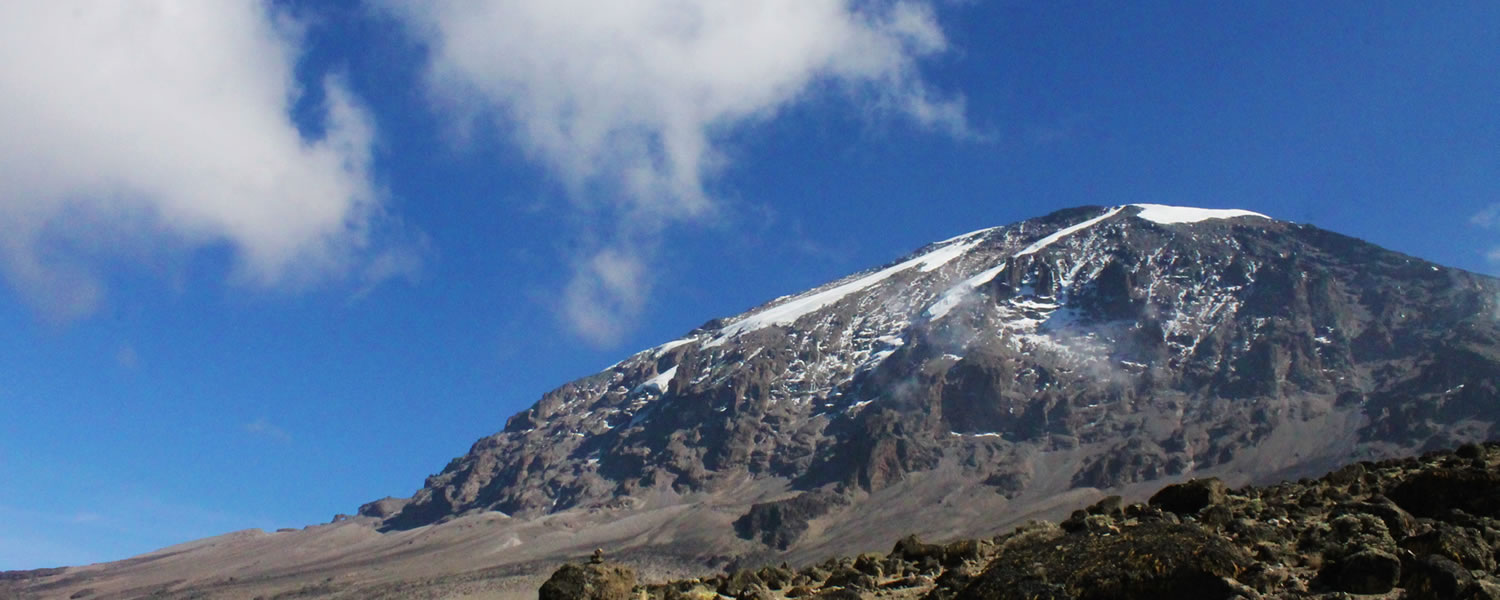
(1346, 535)
(1458, 544)
(848, 577)
(1158, 561)
(1434, 577)
(1397, 521)
(1368, 572)
(961, 551)
(589, 582)
(869, 564)
(839, 594)
(739, 582)
(776, 577)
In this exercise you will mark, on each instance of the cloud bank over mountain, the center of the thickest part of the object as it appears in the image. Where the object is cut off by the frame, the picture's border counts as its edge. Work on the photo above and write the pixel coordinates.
(629, 105)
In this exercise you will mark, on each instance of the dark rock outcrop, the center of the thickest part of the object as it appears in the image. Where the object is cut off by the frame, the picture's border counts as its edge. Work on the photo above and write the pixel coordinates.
(777, 524)
(1190, 497)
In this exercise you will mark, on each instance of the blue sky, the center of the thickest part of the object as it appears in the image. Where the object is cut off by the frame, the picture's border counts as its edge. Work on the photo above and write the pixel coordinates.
(265, 262)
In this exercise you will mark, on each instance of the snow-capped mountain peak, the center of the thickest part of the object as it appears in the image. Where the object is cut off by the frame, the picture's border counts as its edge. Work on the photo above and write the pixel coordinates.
(1094, 347)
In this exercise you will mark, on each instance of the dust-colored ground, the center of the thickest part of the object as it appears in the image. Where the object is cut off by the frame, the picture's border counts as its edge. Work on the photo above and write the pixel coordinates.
(491, 555)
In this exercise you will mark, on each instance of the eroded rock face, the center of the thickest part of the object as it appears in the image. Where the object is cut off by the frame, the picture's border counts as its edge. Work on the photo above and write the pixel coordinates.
(779, 523)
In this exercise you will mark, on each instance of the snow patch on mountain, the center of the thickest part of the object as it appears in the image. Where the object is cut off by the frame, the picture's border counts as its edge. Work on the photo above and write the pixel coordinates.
(667, 347)
(1067, 231)
(661, 380)
(788, 312)
(1169, 215)
(956, 295)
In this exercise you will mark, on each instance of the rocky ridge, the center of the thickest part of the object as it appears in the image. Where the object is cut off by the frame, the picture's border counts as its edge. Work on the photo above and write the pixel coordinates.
(1423, 528)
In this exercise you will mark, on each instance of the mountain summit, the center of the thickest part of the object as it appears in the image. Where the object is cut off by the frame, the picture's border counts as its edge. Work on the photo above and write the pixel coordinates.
(1007, 374)
(1003, 372)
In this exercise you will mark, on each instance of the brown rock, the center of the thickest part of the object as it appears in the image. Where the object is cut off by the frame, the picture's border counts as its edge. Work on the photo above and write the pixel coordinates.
(1156, 561)
(589, 582)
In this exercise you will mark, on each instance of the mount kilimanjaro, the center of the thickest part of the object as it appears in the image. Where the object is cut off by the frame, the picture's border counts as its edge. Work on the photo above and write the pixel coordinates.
(1010, 373)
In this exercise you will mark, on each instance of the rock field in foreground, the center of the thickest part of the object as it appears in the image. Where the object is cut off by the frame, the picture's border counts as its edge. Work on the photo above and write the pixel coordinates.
(1415, 528)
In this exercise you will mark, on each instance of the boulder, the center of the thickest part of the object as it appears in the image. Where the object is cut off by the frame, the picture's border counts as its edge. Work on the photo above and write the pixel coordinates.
(1399, 522)
(1434, 577)
(740, 582)
(958, 552)
(1368, 572)
(869, 564)
(839, 594)
(1158, 561)
(1190, 497)
(1458, 544)
(589, 582)
(848, 577)
(776, 577)
(1435, 493)
(912, 549)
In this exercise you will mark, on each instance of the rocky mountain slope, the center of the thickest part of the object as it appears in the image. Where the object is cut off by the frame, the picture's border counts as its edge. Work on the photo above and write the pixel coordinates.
(1008, 374)
(1091, 348)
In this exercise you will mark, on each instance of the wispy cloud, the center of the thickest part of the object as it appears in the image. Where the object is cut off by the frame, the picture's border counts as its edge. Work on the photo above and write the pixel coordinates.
(1489, 218)
(629, 104)
(147, 127)
(264, 428)
(127, 357)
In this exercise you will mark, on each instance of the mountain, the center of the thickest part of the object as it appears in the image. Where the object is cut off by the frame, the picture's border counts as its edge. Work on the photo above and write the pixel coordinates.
(1090, 348)
(1009, 373)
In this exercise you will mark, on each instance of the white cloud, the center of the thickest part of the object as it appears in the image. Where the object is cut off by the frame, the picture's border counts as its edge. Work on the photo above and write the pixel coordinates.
(628, 102)
(133, 129)
(1489, 217)
(265, 428)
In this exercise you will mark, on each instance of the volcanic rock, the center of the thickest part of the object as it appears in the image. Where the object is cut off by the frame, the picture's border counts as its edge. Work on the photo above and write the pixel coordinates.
(1191, 497)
